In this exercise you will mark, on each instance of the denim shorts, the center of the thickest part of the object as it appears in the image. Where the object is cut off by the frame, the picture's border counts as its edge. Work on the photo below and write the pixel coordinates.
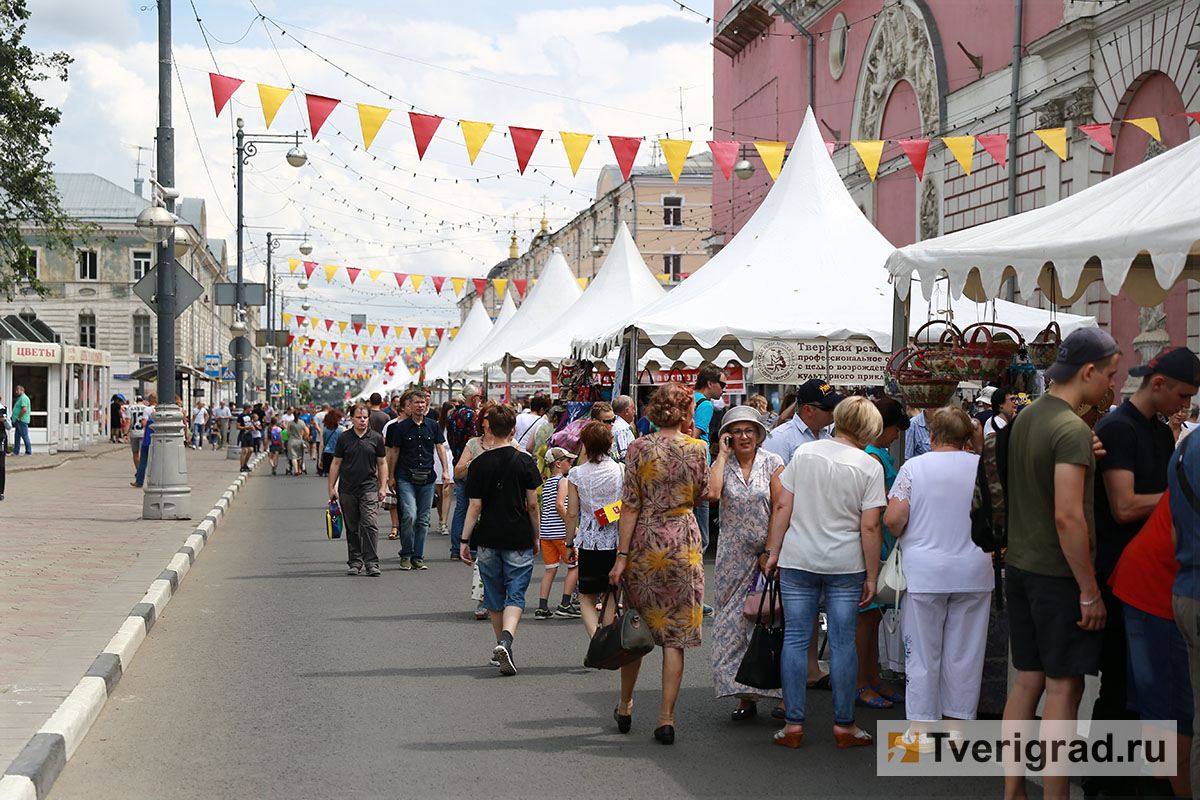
(1158, 685)
(505, 575)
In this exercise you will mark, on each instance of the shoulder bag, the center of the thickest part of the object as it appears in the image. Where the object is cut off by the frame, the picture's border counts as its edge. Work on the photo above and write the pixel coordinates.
(891, 584)
(754, 598)
(621, 642)
(761, 667)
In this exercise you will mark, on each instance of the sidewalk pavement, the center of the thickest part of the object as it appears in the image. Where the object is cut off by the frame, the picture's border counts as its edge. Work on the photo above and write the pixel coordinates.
(37, 461)
(75, 557)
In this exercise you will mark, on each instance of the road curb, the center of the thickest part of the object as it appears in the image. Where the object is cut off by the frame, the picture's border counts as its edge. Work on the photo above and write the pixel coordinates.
(38, 765)
(13, 469)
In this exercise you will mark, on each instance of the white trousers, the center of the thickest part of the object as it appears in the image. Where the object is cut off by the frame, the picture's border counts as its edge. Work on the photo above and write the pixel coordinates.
(944, 640)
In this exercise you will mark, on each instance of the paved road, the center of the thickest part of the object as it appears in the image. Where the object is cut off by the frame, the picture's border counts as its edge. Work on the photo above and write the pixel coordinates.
(274, 675)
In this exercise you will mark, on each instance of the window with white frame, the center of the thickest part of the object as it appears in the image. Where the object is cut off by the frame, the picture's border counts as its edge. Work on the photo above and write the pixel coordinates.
(142, 261)
(87, 329)
(142, 343)
(673, 211)
(672, 266)
(87, 265)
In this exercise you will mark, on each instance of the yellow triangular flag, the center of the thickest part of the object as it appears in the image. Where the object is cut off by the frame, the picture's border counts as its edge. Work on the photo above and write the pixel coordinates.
(576, 144)
(408, 350)
(453, 332)
(374, 273)
(286, 318)
(963, 148)
(371, 118)
(416, 281)
(499, 284)
(675, 151)
(313, 322)
(1055, 139)
(1149, 125)
(426, 332)
(771, 154)
(582, 282)
(342, 328)
(387, 350)
(458, 284)
(370, 330)
(272, 98)
(662, 276)
(330, 269)
(475, 134)
(292, 264)
(870, 152)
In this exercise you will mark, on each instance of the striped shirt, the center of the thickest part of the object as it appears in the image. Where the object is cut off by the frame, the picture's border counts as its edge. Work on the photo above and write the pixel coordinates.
(552, 524)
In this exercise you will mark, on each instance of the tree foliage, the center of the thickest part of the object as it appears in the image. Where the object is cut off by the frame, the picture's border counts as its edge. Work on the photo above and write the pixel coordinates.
(28, 196)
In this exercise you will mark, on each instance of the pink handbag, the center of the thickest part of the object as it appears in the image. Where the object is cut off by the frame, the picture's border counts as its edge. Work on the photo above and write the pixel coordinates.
(754, 600)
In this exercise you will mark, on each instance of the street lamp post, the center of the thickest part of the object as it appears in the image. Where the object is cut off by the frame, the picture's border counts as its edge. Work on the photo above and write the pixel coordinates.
(274, 241)
(166, 494)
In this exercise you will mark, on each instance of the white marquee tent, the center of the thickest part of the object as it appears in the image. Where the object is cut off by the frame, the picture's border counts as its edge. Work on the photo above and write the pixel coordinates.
(463, 365)
(474, 329)
(385, 385)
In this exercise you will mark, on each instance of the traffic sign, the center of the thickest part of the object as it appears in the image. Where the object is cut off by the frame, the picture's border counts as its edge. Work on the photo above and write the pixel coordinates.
(239, 347)
(227, 374)
(212, 365)
(187, 288)
(276, 389)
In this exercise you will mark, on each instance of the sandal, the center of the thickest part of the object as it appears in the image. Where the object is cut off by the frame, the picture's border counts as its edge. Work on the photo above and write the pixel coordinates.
(394, 534)
(859, 738)
(894, 697)
(877, 702)
(791, 739)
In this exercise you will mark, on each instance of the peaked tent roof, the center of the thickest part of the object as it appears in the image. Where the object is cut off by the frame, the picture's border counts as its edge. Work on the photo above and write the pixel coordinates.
(380, 382)
(1099, 233)
(471, 334)
(555, 291)
(621, 288)
(807, 265)
(464, 362)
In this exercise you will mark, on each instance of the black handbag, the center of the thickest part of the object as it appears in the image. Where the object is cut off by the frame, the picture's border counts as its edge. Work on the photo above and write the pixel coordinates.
(762, 665)
(621, 642)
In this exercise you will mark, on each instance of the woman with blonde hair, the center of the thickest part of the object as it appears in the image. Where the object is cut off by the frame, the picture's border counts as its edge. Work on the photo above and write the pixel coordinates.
(825, 539)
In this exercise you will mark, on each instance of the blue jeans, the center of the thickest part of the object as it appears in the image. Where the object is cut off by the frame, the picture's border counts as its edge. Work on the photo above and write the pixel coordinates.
(701, 512)
(143, 460)
(21, 433)
(197, 434)
(415, 504)
(802, 592)
(460, 517)
(505, 575)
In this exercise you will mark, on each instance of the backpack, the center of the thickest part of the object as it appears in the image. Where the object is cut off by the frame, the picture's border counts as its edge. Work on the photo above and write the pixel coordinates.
(455, 436)
(989, 506)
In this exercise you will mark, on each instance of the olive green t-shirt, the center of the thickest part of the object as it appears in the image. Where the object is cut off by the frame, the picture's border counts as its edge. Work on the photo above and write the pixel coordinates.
(1047, 433)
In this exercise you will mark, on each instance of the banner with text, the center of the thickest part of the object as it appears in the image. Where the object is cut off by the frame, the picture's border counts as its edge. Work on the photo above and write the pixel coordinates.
(842, 362)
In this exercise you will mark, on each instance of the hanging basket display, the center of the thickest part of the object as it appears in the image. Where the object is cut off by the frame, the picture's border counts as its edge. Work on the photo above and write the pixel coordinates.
(983, 356)
(937, 356)
(919, 387)
(1043, 350)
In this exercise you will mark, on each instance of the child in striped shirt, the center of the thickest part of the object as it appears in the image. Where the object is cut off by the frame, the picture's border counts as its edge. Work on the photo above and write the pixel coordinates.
(553, 536)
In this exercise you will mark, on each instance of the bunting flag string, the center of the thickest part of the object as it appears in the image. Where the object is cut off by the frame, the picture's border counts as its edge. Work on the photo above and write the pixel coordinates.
(524, 141)
(917, 151)
(963, 150)
(675, 151)
(272, 98)
(772, 154)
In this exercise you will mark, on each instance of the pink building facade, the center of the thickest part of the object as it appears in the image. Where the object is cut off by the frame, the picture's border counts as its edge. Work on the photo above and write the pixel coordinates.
(931, 68)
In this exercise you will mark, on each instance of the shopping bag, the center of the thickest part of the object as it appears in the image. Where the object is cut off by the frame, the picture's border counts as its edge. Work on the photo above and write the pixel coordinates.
(333, 520)
(624, 640)
(761, 666)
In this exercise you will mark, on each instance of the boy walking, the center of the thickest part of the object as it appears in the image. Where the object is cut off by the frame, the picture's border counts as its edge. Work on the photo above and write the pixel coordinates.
(502, 522)
(553, 536)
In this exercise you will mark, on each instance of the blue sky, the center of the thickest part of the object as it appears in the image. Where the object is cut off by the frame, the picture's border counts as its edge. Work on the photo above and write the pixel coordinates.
(595, 67)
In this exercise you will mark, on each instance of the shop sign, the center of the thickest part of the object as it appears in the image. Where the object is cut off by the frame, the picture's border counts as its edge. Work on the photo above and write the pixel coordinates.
(31, 353)
(735, 378)
(841, 362)
(73, 354)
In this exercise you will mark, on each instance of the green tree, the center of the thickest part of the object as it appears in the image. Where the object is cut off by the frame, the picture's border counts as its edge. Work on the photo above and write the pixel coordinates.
(28, 196)
(305, 392)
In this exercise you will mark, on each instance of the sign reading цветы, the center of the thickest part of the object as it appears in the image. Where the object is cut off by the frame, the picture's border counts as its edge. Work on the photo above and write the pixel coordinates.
(841, 362)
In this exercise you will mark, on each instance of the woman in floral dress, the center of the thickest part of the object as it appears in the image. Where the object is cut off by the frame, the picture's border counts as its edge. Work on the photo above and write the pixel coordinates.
(658, 555)
(745, 479)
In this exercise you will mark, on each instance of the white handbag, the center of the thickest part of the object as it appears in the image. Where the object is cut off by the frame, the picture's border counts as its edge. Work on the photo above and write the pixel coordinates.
(890, 584)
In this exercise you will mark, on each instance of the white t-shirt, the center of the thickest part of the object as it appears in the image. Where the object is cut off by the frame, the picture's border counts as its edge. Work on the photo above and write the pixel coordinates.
(938, 554)
(200, 416)
(994, 424)
(526, 423)
(833, 484)
(136, 412)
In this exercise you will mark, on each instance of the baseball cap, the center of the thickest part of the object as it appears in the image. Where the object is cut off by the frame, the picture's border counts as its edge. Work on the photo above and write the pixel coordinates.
(1177, 363)
(555, 453)
(1082, 346)
(819, 393)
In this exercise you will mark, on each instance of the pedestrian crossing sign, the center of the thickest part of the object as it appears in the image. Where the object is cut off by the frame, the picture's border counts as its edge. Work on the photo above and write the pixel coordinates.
(276, 389)
(226, 375)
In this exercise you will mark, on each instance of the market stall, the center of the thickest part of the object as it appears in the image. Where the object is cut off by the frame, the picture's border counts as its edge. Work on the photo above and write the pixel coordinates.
(31, 357)
(86, 375)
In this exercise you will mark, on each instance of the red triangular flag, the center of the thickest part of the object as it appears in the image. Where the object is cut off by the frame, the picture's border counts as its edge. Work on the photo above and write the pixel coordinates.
(358, 327)
(412, 332)
(440, 331)
(916, 150)
(1102, 133)
(328, 324)
(291, 338)
(375, 351)
(1195, 115)
(423, 128)
(519, 284)
(830, 147)
(223, 88)
(309, 266)
(480, 285)
(438, 280)
(625, 148)
(300, 320)
(319, 109)
(725, 154)
(524, 140)
(383, 329)
(997, 146)
(400, 278)
(353, 273)
(353, 348)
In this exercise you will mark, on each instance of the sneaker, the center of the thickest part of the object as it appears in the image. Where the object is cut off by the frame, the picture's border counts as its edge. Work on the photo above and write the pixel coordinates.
(418, 563)
(443, 530)
(543, 613)
(272, 470)
(503, 655)
(373, 571)
(493, 660)
(568, 612)
(708, 611)
(354, 569)
(406, 564)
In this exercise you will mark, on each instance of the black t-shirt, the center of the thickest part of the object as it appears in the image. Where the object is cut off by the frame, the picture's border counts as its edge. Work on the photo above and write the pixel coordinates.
(417, 444)
(1141, 445)
(500, 479)
(378, 419)
(359, 456)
